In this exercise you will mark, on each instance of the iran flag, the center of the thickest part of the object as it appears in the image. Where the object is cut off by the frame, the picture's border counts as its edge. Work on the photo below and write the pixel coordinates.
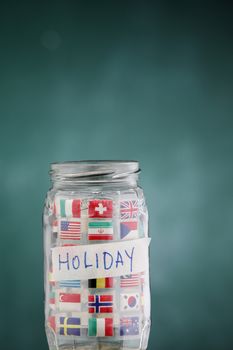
(100, 230)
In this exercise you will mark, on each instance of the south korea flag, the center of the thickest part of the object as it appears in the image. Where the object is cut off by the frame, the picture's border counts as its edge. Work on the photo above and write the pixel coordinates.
(130, 301)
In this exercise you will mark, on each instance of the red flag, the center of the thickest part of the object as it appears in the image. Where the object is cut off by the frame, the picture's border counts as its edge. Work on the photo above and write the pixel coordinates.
(52, 322)
(69, 298)
(109, 327)
(100, 208)
(76, 208)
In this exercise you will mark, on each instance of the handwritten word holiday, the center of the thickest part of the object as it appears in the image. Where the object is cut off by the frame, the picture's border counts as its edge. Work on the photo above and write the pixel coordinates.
(100, 260)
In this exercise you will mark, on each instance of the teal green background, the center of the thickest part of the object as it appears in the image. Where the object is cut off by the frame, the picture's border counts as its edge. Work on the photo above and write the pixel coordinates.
(122, 80)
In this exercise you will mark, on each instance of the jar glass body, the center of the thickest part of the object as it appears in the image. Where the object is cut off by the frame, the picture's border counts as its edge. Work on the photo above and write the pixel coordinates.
(104, 312)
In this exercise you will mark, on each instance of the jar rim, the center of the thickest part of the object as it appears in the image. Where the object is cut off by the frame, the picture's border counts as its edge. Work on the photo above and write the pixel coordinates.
(94, 170)
(103, 161)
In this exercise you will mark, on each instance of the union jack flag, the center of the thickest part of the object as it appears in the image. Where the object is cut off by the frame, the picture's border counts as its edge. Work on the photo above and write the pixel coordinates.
(129, 209)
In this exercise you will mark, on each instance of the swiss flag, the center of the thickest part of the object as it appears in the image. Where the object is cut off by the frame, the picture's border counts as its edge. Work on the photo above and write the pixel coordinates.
(100, 208)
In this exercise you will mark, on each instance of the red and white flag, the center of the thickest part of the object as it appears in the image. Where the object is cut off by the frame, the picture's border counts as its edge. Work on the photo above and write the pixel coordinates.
(100, 208)
(130, 281)
(69, 302)
(130, 301)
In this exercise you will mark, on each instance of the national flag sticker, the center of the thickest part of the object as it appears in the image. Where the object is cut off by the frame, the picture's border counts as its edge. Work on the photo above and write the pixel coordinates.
(100, 327)
(129, 230)
(100, 230)
(69, 284)
(70, 326)
(100, 303)
(100, 208)
(70, 230)
(67, 208)
(128, 209)
(129, 326)
(130, 281)
(51, 278)
(101, 283)
(52, 299)
(55, 226)
(69, 301)
(130, 302)
(52, 322)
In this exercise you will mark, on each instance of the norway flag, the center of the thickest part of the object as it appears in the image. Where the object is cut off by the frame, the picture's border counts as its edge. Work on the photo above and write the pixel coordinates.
(129, 230)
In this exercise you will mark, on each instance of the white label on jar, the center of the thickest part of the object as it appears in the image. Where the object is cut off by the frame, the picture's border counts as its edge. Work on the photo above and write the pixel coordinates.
(100, 260)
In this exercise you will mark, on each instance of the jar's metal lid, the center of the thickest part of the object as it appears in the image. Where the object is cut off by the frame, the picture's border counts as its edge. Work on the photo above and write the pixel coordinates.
(94, 170)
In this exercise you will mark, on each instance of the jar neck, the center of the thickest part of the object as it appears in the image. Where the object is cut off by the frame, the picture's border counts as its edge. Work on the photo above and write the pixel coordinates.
(100, 174)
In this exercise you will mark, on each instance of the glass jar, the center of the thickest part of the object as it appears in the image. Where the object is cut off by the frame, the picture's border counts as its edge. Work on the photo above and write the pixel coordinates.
(97, 293)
